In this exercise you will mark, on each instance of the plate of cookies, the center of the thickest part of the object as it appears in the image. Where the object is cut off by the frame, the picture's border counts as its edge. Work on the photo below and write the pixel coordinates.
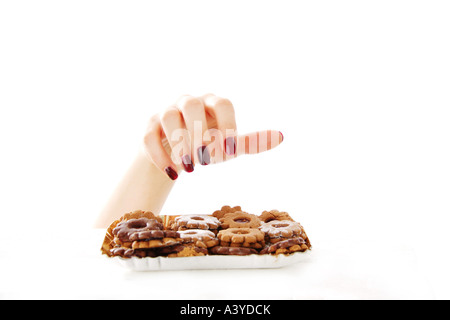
(229, 238)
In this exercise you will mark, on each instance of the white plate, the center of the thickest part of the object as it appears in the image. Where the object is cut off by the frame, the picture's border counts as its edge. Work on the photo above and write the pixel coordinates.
(213, 262)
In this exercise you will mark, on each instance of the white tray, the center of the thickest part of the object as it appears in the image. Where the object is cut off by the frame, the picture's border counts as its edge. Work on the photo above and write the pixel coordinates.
(213, 262)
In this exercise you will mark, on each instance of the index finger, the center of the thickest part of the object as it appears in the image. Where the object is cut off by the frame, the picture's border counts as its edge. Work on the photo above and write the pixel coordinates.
(258, 142)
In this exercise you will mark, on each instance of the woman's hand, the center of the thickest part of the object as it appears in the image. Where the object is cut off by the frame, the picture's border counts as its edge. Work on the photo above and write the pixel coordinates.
(193, 131)
(200, 130)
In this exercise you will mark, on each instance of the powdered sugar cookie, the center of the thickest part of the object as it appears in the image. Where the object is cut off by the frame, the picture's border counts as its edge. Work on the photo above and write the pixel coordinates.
(281, 229)
(201, 238)
(204, 222)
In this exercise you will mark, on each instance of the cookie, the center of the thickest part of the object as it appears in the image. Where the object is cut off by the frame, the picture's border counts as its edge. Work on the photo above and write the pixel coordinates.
(127, 228)
(239, 219)
(253, 245)
(286, 247)
(275, 240)
(154, 234)
(241, 235)
(188, 251)
(109, 242)
(281, 229)
(219, 214)
(128, 253)
(234, 251)
(141, 214)
(122, 252)
(158, 243)
(201, 238)
(268, 216)
(150, 236)
(125, 244)
(204, 222)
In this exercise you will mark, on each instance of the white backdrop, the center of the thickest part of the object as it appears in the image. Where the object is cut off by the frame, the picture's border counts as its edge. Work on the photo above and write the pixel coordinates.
(359, 89)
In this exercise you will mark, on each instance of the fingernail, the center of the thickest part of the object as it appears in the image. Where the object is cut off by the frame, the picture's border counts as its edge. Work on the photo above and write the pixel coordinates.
(282, 137)
(171, 173)
(230, 145)
(203, 155)
(187, 163)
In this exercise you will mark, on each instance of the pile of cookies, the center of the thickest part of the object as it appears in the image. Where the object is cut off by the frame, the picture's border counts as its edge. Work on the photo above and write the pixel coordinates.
(228, 231)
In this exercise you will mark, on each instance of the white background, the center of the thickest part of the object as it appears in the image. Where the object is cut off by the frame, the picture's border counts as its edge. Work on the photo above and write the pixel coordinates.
(360, 90)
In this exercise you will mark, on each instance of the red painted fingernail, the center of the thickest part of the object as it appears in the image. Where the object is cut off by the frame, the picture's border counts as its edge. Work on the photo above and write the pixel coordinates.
(230, 146)
(171, 173)
(203, 155)
(187, 163)
(282, 137)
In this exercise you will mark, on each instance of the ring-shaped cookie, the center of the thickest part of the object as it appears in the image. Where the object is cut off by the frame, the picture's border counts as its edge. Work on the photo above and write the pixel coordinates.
(241, 235)
(240, 220)
(127, 228)
(153, 234)
(204, 222)
(193, 235)
(187, 251)
(232, 251)
(201, 238)
(285, 229)
(219, 214)
(109, 241)
(286, 246)
(268, 216)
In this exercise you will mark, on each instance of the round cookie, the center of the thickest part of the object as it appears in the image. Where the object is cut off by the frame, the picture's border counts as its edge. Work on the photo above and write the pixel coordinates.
(148, 235)
(233, 251)
(241, 235)
(268, 216)
(204, 222)
(188, 251)
(281, 229)
(286, 247)
(125, 229)
(201, 238)
(141, 214)
(122, 252)
(154, 234)
(109, 241)
(128, 253)
(240, 219)
(157, 243)
(253, 245)
(219, 214)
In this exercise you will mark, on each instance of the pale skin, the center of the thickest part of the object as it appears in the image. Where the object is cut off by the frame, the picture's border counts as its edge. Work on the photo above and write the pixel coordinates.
(193, 131)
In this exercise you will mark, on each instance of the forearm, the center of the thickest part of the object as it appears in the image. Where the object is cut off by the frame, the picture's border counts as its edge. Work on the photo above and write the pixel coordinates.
(144, 187)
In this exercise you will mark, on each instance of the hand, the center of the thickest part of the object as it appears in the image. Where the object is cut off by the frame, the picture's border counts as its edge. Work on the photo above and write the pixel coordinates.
(200, 130)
